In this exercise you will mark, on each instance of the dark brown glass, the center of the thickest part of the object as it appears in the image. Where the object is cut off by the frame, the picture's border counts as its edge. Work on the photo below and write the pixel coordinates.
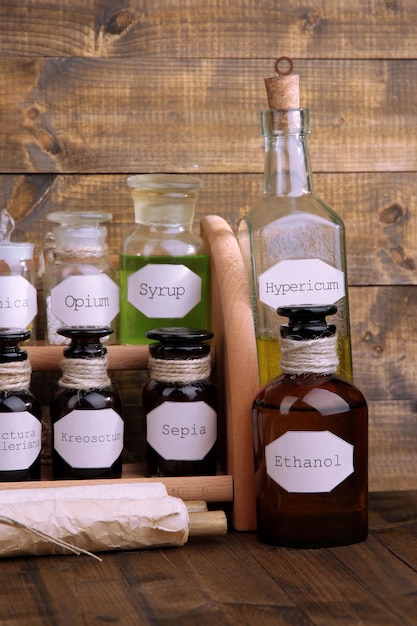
(18, 400)
(179, 344)
(339, 517)
(14, 402)
(66, 400)
(85, 344)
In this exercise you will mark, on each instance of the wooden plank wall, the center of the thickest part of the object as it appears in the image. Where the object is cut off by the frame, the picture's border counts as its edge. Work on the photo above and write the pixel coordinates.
(93, 90)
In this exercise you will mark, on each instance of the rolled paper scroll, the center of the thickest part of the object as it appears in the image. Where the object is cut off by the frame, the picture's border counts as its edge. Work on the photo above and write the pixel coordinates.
(91, 518)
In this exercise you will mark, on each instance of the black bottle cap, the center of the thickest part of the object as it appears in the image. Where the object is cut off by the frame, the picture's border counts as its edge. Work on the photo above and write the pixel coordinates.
(85, 341)
(9, 344)
(176, 341)
(307, 322)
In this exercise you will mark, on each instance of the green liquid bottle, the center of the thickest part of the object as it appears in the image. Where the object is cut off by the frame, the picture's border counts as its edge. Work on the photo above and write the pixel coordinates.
(164, 265)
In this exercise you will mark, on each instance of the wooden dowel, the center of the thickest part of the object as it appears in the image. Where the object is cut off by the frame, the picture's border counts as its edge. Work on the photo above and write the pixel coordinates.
(207, 523)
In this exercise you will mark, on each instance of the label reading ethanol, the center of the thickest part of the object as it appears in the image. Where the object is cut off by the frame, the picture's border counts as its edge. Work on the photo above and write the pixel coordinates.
(182, 431)
(20, 440)
(89, 439)
(164, 290)
(89, 300)
(309, 461)
(301, 282)
(18, 301)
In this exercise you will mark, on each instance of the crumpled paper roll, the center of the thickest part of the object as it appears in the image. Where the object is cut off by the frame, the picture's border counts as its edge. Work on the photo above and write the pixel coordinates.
(90, 518)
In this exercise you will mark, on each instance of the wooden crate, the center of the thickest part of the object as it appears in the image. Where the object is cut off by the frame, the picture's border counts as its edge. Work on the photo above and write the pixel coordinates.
(235, 371)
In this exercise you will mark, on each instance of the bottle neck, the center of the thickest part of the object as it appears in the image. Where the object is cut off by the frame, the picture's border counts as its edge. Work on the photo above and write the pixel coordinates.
(287, 167)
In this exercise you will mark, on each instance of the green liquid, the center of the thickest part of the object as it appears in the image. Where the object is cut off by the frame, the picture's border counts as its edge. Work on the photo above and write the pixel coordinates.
(134, 324)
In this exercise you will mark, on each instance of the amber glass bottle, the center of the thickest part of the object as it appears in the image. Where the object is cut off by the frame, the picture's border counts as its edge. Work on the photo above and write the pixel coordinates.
(311, 441)
(86, 410)
(180, 404)
(20, 412)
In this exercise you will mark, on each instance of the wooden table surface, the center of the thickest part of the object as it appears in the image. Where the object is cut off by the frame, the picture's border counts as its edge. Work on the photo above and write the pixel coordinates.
(232, 579)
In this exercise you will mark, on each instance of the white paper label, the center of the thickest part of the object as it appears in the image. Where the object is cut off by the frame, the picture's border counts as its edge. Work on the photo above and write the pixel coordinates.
(18, 301)
(89, 439)
(20, 440)
(88, 300)
(182, 431)
(164, 290)
(309, 461)
(301, 282)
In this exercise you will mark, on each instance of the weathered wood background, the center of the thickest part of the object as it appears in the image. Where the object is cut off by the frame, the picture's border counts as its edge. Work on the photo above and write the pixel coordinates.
(93, 90)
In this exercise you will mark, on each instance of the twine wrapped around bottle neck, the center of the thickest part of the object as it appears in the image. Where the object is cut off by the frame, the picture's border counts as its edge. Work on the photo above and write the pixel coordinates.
(313, 356)
(15, 376)
(180, 370)
(84, 373)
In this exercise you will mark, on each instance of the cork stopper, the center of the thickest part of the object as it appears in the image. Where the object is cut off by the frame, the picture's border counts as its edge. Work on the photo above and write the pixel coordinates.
(283, 89)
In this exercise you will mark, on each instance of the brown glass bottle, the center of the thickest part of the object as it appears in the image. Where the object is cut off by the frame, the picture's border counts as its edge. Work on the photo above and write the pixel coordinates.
(180, 404)
(86, 411)
(20, 412)
(311, 444)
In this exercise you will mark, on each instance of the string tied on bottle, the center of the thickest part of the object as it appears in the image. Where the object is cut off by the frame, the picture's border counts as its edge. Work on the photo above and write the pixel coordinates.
(312, 356)
(15, 376)
(84, 373)
(180, 370)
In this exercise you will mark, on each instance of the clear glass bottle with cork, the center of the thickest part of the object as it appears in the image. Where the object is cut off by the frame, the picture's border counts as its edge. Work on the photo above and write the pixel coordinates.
(311, 441)
(80, 284)
(180, 404)
(86, 410)
(20, 411)
(18, 293)
(164, 264)
(292, 243)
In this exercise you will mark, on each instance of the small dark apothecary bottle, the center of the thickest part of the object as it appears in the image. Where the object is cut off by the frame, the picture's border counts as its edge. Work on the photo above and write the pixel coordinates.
(20, 412)
(180, 404)
(311, 441)
(86, 410)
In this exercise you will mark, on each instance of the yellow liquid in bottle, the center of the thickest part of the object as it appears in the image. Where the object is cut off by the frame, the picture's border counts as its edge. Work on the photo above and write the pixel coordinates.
(269, 356)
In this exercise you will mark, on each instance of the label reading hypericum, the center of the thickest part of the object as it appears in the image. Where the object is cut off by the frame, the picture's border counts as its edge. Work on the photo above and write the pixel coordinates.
(20, 440)
(309, 461)
(89, 439)
(301, 282)
(182, 431)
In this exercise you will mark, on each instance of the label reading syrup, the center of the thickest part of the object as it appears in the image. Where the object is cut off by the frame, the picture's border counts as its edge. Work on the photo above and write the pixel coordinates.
(162, 290)
(301, 282)
(309, 461)
(89, 439)
(20, 440)
(182, 431)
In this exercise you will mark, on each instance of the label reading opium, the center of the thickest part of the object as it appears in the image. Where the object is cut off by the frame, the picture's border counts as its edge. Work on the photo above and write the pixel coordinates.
(164, 290)
(88, 300)
(89, 439)
(182, 431)
(20, 440)
(301, 282)
(18, 301)
(309, 461)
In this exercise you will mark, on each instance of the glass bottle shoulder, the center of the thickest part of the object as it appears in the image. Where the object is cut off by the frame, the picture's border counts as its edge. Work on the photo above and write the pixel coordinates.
(274, 211)
(145, 241)
(325, 394)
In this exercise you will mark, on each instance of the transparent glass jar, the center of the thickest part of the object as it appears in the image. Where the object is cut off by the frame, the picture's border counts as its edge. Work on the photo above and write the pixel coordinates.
(18, 294)
(79, 281)
(164, 265)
